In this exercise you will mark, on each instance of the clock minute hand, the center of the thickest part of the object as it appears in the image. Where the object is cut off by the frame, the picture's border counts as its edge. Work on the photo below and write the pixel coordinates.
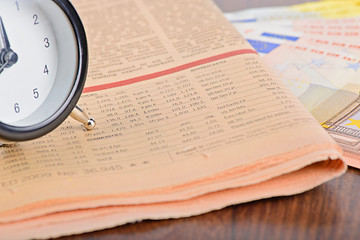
(7, 56)
(5, 44)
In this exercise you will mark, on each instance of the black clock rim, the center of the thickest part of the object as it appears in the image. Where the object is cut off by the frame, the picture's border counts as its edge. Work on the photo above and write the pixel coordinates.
(11, 133)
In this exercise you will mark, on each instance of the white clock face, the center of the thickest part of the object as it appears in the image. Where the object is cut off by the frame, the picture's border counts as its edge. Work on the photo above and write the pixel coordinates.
(39, 43)
(26, 84)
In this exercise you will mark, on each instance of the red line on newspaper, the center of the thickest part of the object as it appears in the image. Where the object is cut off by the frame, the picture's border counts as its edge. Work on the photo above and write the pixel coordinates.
(167, 71)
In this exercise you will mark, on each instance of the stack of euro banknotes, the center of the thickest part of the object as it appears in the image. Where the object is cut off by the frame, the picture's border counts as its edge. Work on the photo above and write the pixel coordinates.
(315, 48)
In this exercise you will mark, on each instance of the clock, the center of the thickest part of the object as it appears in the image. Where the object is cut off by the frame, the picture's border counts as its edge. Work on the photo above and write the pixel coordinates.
(43, 66)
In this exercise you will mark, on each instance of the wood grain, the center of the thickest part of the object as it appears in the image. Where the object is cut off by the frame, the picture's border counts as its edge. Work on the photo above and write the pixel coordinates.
(326, 212)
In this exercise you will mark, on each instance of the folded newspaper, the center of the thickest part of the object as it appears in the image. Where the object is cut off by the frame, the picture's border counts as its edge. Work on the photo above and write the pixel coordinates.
(314, 48)
(189, 119)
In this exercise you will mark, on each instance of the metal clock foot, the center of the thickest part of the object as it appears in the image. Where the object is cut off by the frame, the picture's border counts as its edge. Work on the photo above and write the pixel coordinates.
(79, 115)
(4, 143)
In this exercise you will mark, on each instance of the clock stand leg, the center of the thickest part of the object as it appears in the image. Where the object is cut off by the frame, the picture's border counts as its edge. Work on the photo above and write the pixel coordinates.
(6, 144)
(79, 115)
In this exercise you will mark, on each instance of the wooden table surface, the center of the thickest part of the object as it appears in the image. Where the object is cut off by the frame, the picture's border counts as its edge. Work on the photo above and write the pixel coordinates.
(326, 212)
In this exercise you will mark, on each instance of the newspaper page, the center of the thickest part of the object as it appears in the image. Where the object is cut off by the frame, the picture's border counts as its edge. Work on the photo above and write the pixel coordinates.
(186, 111)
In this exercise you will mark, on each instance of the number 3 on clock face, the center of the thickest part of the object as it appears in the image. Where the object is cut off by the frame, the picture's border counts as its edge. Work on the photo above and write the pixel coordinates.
(43, 64)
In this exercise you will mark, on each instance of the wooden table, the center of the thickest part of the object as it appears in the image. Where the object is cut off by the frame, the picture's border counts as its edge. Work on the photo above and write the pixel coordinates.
(326, 212)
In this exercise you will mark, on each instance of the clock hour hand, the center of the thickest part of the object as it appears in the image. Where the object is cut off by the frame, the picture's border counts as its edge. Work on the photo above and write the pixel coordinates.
(3, 66)
(7, 56)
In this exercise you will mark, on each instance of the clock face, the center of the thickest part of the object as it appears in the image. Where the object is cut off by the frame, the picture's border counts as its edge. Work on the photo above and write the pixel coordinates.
(39, 60)
(26, 84)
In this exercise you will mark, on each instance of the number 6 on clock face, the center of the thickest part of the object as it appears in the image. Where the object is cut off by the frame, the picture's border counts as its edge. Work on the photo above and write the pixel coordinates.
(43, 64)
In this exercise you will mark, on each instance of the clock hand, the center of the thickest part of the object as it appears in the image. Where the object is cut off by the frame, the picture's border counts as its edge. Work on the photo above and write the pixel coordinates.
(7, 56)
(4, 39)
(3, 66)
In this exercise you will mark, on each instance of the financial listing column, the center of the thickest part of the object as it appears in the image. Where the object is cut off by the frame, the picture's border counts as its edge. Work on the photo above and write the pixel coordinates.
(168, 118)
(204, 106)
(248, 98)
(150, 118)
